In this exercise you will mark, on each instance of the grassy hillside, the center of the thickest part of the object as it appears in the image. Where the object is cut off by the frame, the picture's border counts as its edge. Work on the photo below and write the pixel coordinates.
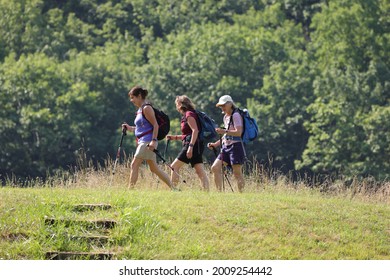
(271, 220)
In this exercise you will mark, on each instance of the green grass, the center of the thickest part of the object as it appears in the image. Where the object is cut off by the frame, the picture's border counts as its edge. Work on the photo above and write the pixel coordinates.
(271, 220)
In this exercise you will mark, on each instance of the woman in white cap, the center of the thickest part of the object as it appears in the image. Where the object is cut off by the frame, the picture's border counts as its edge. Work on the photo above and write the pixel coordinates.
(232, 151)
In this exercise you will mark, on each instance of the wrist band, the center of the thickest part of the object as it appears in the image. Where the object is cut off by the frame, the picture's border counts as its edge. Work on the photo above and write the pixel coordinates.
(154, 139)
(191, 145)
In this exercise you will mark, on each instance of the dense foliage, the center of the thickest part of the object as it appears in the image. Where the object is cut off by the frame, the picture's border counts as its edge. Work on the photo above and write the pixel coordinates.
(314, 73)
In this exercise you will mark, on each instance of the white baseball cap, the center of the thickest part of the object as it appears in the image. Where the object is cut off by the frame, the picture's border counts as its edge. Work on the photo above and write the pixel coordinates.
(224, 99)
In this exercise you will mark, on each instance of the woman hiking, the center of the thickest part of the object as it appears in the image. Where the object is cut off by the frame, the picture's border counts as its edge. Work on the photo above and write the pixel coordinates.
(192, 147)
(232, 150)
(146, 130)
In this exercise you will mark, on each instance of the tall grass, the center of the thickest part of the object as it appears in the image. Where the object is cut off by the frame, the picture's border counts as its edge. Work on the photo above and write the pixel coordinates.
(257, 178)
(277, 217)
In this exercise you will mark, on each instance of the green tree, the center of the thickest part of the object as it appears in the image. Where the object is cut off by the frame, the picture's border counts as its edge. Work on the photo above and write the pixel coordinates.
(164, 17)
(351, 46)
(264, 69)
(314, 73)
(301, 12)
(51, 110)
(29, 132)
(281, 108)
(344, 123)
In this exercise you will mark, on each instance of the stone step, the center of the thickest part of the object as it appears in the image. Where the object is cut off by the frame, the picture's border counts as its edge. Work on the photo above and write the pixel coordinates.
(79, 255)
(91, 207)
(102, 223)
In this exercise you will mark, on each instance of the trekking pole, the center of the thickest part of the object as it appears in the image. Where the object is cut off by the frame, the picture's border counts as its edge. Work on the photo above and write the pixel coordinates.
(247, 162)
(165, 162)
(224, 173)
(118, 153)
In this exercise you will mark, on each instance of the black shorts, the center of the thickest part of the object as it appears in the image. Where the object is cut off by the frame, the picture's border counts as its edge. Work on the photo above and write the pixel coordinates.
(197, 153)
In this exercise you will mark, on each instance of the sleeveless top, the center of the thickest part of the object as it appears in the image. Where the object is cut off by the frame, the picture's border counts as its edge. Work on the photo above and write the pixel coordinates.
(142, 126)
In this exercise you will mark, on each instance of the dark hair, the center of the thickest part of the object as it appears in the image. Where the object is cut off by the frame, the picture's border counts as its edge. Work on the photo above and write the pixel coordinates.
(137, 90)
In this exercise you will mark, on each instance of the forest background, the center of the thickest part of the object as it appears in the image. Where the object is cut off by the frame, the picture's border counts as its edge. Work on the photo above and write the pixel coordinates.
(314, 73)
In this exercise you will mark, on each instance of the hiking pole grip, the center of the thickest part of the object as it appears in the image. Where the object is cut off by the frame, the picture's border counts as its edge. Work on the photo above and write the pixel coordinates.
(124, 129)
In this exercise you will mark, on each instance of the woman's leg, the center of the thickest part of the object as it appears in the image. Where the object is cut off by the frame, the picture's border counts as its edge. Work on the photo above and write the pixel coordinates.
(237, 172)
(216, 168)
(135, 164)
(176, 165)
(199, 168)
(161, 174)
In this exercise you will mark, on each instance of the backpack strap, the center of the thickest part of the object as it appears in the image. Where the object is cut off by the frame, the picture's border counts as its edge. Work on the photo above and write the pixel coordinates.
(142, 111)
(197, 120)
(231, 121)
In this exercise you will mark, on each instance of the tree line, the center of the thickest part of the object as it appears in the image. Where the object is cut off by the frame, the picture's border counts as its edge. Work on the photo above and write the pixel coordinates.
(314, 73)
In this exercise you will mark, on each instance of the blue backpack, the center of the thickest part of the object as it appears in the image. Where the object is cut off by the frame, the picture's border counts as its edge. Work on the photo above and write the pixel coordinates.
(207, 126)
(250, 128)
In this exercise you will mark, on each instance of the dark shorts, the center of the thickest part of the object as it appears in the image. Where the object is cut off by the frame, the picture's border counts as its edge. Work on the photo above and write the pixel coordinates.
(233, 154)
(197, 153)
